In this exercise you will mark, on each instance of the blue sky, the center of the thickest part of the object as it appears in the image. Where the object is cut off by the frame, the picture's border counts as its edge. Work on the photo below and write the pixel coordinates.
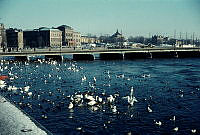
(133, 17)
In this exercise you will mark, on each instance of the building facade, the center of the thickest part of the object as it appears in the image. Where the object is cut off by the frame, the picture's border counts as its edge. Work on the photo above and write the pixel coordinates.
(32, 39)
(51, 37)
(77, 38)
(14, 38)
(42, 38)
(2, 36)
(70, 38)
(89, 40)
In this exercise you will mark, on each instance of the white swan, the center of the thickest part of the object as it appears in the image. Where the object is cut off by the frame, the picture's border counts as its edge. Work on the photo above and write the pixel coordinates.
(131, 98)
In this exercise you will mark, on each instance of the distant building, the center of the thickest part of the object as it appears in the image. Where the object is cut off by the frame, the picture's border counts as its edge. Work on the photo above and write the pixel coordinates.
(158, 40)
(42, 37)
(14, 38)
(2, 36)
(51, 37)
(117, 37)
(33, 39)
(67, 35)
(89, 40)
(70, 38)
(76, 38)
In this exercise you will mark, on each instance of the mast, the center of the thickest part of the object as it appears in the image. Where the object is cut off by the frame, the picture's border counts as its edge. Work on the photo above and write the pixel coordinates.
(186, 38)
(174, 34)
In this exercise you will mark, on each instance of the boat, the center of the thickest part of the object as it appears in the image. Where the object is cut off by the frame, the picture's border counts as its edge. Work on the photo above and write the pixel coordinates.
(3, 77)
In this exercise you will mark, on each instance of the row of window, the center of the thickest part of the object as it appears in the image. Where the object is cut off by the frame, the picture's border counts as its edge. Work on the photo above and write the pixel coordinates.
(77, 40)
(56, 34)
(56, 39)
(72, 35)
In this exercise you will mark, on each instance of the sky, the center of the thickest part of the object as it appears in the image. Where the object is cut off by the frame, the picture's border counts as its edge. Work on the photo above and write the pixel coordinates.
(100, 17)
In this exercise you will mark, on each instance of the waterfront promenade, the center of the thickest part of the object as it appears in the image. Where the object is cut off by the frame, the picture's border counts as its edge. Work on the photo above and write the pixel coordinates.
(65, 51)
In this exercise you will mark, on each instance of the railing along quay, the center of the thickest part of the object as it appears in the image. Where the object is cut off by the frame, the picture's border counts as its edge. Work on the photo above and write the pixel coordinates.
(93, 51)
(107, 54)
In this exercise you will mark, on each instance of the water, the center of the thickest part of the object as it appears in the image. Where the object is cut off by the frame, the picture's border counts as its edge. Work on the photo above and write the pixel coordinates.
(170, 87)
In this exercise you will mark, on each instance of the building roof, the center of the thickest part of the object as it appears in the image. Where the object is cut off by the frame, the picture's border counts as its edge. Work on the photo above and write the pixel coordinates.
(48, 29)
(13, 30)
(117, 34)
(66, 27)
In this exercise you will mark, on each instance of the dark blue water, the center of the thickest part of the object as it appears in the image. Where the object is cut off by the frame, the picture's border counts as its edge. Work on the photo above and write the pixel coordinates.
(170, 87)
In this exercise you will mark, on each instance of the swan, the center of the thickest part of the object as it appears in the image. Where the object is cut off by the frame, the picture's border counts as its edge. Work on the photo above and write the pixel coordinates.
(131, 98)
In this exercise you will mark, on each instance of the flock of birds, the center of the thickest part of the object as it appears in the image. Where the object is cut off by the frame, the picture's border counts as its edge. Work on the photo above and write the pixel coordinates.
(90, 99)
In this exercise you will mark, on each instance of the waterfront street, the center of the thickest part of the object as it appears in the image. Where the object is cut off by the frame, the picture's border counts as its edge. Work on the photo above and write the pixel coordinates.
(97, 50)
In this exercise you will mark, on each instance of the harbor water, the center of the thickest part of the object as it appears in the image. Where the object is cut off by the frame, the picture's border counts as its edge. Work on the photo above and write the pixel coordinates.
(56, 94)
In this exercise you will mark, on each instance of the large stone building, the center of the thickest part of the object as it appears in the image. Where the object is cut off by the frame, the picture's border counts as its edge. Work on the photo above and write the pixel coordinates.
(14, 38)
(32, 39)
(77, 38)
(43, 37)
(51, 37)
(70, 38)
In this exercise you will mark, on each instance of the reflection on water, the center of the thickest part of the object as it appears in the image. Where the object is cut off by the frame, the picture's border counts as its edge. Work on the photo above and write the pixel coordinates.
(108, 97)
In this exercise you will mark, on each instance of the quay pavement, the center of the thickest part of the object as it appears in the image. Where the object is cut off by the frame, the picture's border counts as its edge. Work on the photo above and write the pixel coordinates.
(13, 121)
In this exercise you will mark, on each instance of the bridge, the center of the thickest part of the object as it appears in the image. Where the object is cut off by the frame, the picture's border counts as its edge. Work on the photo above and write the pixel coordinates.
(107, 54)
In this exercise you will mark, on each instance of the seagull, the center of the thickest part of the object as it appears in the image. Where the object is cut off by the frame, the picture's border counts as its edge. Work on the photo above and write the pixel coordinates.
(193, 130)
(110, 99)
(2, 84)
(70, 105)
(99, 99)
(159, 123)
(89, 97)
(26, 89)
(120, 76)
(84, 78)
(114, 109)
(29, 93)
(94, 79)
(149, 109)
(91, 103)
(175, 129)
(146, 75)
(173, 119)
